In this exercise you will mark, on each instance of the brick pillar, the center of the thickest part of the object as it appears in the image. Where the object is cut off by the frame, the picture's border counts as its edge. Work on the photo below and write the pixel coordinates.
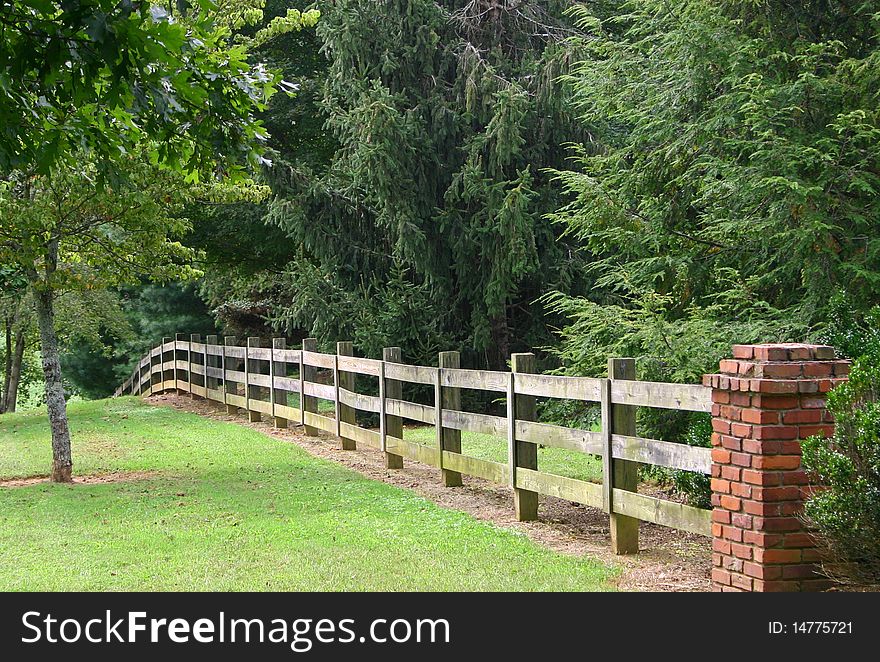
(765, 401)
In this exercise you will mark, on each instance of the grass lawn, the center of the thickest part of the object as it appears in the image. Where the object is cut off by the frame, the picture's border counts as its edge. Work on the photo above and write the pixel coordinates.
(231, 509)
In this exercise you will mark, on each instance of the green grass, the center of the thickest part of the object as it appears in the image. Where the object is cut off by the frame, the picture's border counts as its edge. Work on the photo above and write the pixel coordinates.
(231, 509)
(487, 447)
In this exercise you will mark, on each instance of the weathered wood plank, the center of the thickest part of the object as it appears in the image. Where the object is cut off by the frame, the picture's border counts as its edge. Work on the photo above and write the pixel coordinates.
(316, 390)
(483, 380)
(411, 410)
(414, 374)
(216, 373)
(197, 368)
(662, 453)
(321, 422)
(409, 449)
(237, 376)
(287, 384)
(318, 360)
(360, 435)
(236, 400)
(690, 397)
(667, 513)
(558, 386)
(289, 413)
(287, 355)
(472, 466)
(256, 379)
(214, 350)
(259, 353)
(556, 436)
(562, 487)
(359, 400)
(235, 352)
(260, 406)
(214, 394)
(470, 422)
(360, 366)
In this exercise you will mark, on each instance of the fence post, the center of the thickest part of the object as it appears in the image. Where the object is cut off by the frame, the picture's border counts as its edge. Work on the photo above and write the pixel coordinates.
(392, 388)
(250, 392)
(345, 380)
(308, 373)
(228, 341)
(765, 401)
(210, 360)
(194, 338)
(523, 453)
(620, 474)
(179, 337)
(278, 368)
(167, 375)
(450, 398)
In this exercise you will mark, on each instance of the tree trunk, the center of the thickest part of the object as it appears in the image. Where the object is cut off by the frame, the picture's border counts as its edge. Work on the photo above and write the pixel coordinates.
(62, 464)
(10, 396)
(7, 372)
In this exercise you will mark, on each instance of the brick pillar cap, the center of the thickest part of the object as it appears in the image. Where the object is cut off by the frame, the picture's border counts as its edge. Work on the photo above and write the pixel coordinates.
(784, 352)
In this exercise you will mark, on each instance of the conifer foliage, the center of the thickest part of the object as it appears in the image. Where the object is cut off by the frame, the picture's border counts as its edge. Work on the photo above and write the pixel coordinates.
(426, 223)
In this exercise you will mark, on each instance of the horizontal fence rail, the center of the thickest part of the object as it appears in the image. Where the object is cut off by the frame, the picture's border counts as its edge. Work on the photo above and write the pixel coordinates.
(287, 384)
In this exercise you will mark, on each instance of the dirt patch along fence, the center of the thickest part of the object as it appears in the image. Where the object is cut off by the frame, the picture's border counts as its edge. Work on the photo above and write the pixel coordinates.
(763, 402)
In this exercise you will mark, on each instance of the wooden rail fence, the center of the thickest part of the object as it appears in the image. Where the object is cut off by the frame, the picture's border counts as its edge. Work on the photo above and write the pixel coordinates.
(260, 381)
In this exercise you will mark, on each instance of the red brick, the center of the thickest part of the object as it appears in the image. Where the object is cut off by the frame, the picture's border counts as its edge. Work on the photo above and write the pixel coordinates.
(775, 401)
(741, 399)
(842, 368)
(815, 402)
(717, 530)
(773, 386)
(741, 430)
(743, 351)
(818, 369)
(721, 546)
(741, 490)
(720, 576)
(741, 581)
(731, 443)
(720, 456)
(741, 551)
(777, 555)
(719, 485)
(760, 416)
(729, 412)
(777, 524)
(730, 503)
(762, 432)
(770, 353)
(762, 509)
(721, 397)
(797, 416)
(729, 365)
(759, 571)
(779, 370)
(795, 478)
(741, 459)
(777, 493)
(762, 538)
(761, 477)
(733, 533)
(721, 426)
(742, 521)
(721, 516)
(777, 461)
(731, 473)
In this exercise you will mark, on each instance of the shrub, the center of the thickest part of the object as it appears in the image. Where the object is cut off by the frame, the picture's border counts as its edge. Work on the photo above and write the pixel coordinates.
(846, 514)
